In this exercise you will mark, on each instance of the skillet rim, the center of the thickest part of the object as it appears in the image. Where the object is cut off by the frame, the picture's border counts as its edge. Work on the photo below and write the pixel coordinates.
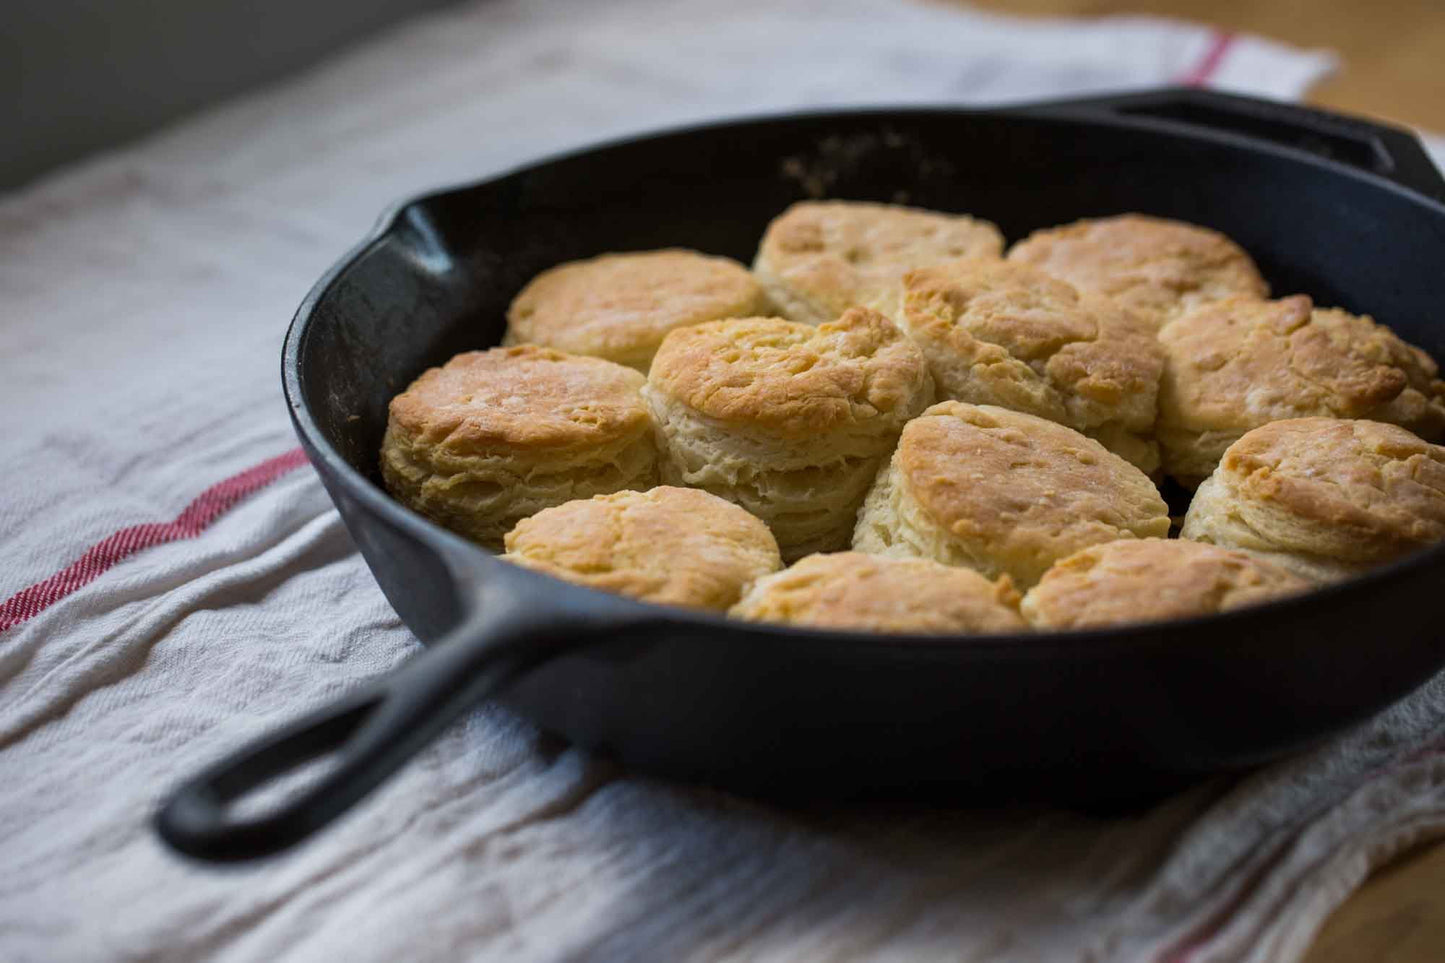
(1110, 642)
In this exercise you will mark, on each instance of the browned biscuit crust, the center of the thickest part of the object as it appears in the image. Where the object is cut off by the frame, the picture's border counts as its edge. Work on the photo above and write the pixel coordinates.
(494, 436)
(790, 379)
(1240, 363)
(1149, 580)
(851, 590)
(621, 306)
(1158, 267)
(787, 420)
(672, 546)
(997, 333)
(1003, 492)
(1326, 497)
(820, 258)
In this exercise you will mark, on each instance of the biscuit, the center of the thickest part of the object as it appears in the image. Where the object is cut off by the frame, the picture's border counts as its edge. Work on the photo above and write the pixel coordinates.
(1324, 497)
(789, 421)
(850, 590)
(1157, 267)
(997, 333)
(820, 258)
(621, 306)
(1149, 580)
(672, 546)
(1003, 493)
(494, 436)
(1239, 363)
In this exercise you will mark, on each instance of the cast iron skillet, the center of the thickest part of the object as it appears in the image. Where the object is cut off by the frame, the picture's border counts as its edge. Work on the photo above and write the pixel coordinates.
(1348, 211)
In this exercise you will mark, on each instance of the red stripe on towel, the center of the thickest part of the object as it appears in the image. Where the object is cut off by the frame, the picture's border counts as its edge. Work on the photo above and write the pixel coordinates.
(195, 519)
(1208, 66)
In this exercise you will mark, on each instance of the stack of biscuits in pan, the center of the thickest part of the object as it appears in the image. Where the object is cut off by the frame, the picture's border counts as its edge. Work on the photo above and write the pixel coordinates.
(932, 433)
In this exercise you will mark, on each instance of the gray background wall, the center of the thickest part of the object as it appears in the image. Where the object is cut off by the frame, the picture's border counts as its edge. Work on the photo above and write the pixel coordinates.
(78, 75)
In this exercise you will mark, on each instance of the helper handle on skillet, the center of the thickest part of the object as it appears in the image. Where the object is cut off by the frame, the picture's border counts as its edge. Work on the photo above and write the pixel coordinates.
(1390, 152)
(374, 730)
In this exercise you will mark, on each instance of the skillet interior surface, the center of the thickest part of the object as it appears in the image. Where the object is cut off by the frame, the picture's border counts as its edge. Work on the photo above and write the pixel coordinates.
(766, 710)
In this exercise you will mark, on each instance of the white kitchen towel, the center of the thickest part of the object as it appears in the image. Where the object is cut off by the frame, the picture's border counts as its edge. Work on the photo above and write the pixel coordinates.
(1435, 146)
(179, 583)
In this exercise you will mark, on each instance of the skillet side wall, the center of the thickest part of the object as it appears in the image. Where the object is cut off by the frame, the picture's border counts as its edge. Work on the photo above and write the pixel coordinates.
(767, 712)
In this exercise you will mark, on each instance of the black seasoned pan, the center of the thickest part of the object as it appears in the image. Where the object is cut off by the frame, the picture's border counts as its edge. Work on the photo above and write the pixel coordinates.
(1348, 211)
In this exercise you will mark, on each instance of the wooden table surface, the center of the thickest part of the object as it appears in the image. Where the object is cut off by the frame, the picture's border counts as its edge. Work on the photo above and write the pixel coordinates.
(1391, 54)
(1390, 50)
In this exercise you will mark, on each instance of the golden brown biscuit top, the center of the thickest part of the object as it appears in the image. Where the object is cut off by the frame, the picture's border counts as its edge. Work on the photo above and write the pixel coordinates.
(1375, 489)
(847, 253)
(852, 590)
(988, 312)
(1238, 362)
(1151, 579)
(1005, 478)
(1150, 264)
(524, 396)
(672, 546)
(794, 379)
(621, 305)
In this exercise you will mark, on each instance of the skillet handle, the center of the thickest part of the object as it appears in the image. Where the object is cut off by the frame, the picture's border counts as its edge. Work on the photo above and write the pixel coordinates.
(371, 732)
(1388, 151)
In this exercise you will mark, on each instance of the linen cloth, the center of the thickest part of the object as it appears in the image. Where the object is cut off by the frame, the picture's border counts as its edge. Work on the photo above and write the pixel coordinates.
(144, 297)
